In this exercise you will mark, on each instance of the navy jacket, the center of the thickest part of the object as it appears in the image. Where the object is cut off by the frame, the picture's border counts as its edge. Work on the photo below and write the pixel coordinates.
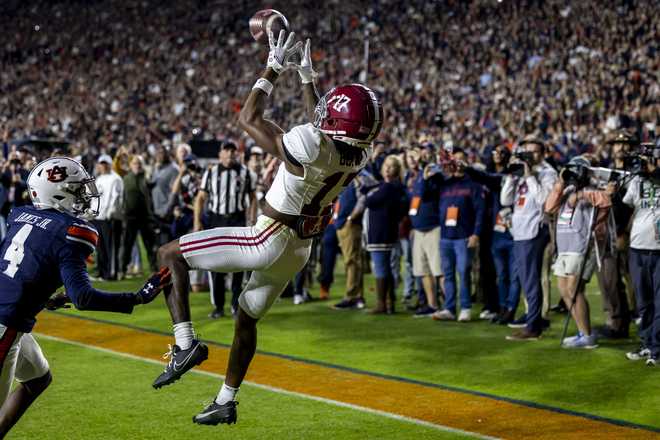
(387, 205)
(463, 195)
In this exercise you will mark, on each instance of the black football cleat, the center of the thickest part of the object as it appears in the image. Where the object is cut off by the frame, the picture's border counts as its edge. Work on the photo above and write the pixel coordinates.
(215, 414)
(181, 361)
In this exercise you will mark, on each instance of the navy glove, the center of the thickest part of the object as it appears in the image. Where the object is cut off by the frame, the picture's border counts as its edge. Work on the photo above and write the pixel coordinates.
(154, 286)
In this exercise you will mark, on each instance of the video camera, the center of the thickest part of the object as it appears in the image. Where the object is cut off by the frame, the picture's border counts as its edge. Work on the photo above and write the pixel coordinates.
(517, 168)
(636, 161)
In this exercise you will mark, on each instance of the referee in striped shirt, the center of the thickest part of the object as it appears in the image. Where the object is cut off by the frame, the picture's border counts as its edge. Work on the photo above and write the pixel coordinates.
(227, 191)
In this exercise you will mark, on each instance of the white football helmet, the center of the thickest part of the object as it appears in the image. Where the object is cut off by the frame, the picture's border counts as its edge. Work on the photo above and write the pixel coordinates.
(63, 184)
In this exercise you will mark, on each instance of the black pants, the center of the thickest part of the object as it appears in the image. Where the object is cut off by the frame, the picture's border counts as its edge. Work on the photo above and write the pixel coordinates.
(217, 284)
(107, 261)
(131, 228)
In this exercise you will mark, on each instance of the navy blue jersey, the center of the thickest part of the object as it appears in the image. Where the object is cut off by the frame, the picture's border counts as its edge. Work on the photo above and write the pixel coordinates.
(44, 250)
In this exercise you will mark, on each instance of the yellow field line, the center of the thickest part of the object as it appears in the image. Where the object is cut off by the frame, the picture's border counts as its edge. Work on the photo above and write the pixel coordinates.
(460, 411)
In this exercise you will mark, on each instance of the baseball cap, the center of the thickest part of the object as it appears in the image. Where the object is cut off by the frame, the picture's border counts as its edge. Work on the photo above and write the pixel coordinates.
(105, 158)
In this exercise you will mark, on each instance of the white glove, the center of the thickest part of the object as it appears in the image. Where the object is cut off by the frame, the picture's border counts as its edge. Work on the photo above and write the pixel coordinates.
(281, 51)
(305, 69)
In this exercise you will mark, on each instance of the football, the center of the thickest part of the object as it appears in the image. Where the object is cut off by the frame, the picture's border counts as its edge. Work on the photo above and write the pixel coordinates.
(267, 20)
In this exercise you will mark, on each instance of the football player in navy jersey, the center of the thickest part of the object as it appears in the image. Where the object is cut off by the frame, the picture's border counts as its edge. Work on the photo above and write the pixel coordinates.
(45, 248)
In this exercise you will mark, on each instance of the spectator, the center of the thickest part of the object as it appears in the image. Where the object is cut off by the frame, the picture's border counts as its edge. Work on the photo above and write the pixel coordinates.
(528, 195)
(108, 221)
(461, 212)
(386, 203)
(162, 178)
(425, 220)
(137, 216)
(614, 259)
(349, 233)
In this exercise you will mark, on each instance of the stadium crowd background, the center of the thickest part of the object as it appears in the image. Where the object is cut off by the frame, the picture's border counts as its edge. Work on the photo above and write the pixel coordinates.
(129, 79)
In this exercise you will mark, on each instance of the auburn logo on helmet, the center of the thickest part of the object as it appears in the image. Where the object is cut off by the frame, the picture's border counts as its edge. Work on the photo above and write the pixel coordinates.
(57, 174)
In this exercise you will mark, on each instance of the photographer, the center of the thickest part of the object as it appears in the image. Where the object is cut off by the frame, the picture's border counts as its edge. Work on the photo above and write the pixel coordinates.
(575, 203)
(528, 193)
(614, 262)
(644, 196)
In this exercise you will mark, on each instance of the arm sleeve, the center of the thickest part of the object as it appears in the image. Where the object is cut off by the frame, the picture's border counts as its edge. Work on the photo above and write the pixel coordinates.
(80, 290)
(205, 185)
(553, 202)
(599, 199)
(117, 193)
(479, 209)
(633, 193)
(378, 197)
(492, 181)
(302, 143)
(507, 196)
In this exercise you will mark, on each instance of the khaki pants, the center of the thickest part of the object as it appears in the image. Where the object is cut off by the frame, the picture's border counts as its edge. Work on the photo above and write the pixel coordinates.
(350, 242)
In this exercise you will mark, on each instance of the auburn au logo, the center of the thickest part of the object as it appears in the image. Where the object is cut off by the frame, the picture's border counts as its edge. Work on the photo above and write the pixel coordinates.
(57, 174)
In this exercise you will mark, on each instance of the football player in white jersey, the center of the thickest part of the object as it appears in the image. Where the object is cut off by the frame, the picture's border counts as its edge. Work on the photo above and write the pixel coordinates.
(318, 160)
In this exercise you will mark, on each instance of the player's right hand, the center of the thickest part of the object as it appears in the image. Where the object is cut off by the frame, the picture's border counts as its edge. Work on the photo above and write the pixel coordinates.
(281, 50)
(153, 286)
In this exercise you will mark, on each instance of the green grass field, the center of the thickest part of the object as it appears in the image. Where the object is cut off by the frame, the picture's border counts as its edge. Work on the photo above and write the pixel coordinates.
(84, 403)
(474, 356)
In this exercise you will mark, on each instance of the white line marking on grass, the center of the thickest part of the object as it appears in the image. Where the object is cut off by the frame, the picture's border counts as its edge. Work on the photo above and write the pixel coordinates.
(280, 390)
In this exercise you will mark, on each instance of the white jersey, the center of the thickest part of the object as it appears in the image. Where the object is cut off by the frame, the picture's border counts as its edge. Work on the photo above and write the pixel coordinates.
(328, 169)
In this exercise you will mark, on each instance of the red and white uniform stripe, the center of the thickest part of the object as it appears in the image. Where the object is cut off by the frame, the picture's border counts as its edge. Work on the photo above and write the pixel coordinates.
(272, 251)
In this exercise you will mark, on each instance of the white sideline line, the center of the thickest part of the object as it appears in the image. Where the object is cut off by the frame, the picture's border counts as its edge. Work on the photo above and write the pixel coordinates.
(280, 390)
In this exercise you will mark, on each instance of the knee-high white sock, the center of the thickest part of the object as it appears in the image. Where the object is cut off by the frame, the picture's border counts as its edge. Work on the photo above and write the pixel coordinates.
(184, 334)
(226, 394)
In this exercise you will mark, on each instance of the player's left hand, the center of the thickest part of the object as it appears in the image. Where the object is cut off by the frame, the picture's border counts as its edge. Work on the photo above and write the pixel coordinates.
(305, 69)
(154, 286)
(58, 301)
(281, 50)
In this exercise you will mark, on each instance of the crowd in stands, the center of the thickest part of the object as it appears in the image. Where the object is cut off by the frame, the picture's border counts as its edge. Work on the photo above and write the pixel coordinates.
(133, 84)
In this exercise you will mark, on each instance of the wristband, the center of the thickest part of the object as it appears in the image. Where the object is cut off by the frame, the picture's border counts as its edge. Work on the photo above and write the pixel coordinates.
(264, 85)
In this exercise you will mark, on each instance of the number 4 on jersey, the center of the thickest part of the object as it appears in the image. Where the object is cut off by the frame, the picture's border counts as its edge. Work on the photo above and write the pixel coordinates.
(16, 250)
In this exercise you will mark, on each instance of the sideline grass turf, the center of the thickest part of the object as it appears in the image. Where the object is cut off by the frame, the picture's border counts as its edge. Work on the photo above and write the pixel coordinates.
(472, 355)
(98, 395)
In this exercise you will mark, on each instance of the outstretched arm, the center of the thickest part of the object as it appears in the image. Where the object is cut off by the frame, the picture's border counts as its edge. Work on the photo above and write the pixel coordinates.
(251, 119)
(307, 74)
